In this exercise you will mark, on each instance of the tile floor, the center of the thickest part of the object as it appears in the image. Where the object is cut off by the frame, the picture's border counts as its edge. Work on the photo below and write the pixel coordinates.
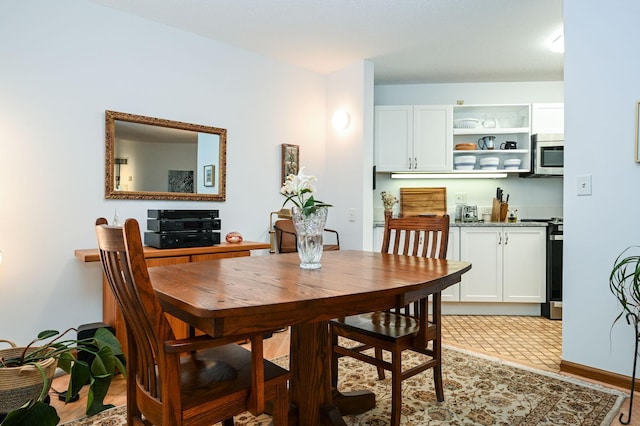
(535, 341)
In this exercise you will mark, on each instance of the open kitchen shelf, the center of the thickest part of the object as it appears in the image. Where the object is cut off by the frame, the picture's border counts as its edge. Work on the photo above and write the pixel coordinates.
(510, 123)
(490, 131)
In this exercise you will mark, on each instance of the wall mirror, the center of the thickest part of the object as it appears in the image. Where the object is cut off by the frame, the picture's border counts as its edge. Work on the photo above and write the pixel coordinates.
(155, 159)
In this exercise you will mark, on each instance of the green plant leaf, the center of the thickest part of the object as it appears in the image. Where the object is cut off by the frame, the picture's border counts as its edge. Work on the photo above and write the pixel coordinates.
(47, 334)
(80, 376)
(97, 392)
(33, 413)
(103, 337)
(624, 282)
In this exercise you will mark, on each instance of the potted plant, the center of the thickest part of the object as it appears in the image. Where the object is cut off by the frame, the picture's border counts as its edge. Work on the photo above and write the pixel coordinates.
(107, 358)
(624, 282)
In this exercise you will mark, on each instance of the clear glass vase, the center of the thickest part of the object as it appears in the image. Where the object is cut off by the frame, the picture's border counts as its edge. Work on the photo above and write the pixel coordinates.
(309, 229)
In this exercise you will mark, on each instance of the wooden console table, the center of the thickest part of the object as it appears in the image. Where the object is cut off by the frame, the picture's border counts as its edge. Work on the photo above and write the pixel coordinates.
(160, 257)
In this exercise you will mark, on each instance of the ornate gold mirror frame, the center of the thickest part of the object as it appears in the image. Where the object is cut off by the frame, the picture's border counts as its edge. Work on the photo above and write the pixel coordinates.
(156, 159)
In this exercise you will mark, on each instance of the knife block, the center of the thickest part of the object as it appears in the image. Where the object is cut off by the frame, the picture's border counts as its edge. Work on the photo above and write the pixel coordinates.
(499, 211)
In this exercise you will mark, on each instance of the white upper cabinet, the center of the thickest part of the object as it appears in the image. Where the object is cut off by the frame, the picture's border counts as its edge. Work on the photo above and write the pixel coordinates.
(547, 118)
(393, 137)
(413, 138)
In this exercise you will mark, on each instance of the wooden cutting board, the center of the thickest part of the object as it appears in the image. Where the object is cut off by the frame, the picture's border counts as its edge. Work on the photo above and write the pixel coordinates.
(418, 201)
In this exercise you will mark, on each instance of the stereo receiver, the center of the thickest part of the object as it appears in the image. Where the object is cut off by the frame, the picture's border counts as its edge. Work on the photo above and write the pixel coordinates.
(181, 239)
(166, 225)
(183, 214)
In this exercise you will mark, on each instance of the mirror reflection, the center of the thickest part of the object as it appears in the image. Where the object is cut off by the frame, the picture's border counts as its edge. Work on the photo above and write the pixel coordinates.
(152, 158)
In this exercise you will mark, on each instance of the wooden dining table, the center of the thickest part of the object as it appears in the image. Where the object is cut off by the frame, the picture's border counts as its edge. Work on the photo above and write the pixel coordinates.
(241, 296)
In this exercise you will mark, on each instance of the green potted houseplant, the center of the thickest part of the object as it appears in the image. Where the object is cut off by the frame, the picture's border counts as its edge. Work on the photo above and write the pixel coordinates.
(106, 355)
(624, 282)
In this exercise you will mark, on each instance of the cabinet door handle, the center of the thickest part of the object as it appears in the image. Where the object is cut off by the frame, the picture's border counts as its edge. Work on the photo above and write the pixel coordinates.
(415, 163)
(499, 239)
(506, 238)
(410, 163)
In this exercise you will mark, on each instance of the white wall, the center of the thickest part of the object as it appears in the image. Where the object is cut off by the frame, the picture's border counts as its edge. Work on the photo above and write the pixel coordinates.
(601, 91)
(349, 156)
(469, 93)
(63, 64)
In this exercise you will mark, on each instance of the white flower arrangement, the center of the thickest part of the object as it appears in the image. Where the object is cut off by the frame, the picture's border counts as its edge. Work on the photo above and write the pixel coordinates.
(299, 189)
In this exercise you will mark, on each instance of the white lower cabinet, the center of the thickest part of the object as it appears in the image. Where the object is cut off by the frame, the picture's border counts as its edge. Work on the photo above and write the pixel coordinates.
(452, 293)
(508, 264)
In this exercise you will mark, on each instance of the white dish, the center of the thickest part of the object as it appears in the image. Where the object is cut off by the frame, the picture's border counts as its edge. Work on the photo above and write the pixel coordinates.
(466, 123)
(464, 159)
(489, 161)
(512, 162)
(464, 166)
(488, 167)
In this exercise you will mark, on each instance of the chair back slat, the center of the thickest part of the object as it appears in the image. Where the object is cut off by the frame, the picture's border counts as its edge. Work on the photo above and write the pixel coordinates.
(425, 236)
(128, 278)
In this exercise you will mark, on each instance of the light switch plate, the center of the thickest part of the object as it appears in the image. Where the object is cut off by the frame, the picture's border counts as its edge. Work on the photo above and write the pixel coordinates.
(583, 185)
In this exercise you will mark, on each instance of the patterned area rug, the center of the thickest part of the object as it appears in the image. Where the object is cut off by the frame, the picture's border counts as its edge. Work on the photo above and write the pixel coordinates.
(479, 390)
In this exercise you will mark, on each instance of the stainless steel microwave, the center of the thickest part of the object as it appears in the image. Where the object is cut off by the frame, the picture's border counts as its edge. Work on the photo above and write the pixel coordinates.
(547, 155)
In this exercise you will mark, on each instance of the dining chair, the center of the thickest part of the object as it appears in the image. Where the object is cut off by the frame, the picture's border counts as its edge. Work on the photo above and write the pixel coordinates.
(198, 380)
(415, 327)
(286, 237)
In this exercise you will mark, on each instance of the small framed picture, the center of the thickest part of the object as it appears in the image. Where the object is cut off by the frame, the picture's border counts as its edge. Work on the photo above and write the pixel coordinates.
(637, 132)
(209, 179)
(290, 160)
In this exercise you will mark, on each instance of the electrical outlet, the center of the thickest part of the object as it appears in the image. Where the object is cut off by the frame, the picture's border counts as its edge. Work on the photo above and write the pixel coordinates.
(352, 215)
(461, 198)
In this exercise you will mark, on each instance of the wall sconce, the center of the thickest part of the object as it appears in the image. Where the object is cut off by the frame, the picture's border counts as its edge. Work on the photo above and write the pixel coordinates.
(557, 44)
(341, 119)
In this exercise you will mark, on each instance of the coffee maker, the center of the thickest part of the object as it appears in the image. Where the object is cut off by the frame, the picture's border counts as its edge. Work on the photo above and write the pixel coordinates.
(469, 214)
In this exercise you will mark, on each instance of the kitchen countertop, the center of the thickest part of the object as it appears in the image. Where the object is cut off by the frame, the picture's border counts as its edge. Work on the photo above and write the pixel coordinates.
(481, 223)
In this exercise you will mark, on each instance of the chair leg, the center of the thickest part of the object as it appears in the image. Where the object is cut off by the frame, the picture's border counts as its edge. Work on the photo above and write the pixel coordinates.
(437, 381)
(228, 422)
(396, 387)
(378, 355)
(334, 359)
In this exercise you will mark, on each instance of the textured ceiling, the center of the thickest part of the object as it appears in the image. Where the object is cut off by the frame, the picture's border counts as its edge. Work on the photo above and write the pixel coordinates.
(408, 41)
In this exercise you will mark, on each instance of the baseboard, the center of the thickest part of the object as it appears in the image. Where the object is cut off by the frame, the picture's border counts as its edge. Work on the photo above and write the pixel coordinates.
(598, 375)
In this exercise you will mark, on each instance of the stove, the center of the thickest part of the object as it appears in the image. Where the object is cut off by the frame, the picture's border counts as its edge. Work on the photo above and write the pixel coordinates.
(552, 308)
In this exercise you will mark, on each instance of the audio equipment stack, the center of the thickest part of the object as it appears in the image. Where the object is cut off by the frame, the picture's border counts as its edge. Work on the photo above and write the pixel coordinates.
(182, 228)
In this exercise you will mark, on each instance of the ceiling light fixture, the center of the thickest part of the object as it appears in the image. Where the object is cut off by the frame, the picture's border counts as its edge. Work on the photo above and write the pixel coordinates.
(341, 119)
(448, 175)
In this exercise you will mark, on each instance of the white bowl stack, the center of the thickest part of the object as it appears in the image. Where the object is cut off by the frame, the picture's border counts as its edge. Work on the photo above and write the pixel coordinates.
(512, 164)
(489, 163)
(464, 162)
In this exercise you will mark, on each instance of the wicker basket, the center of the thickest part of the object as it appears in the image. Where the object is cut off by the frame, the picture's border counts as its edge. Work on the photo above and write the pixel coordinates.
(21, 384)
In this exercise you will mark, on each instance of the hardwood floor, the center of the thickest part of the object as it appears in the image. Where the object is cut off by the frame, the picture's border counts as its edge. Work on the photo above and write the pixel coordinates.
(453, 334)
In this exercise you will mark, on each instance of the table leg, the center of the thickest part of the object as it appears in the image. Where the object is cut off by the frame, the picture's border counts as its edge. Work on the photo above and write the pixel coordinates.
(317, 403)
(311, 375)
